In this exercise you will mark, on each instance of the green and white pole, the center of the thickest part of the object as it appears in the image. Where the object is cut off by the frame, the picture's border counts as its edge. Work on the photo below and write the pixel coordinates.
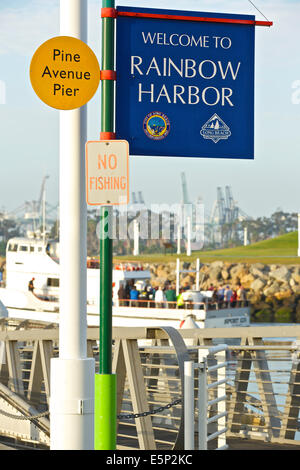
(105, 381)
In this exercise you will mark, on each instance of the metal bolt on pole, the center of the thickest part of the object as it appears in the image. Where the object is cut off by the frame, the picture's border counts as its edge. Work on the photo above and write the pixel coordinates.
(105, 381)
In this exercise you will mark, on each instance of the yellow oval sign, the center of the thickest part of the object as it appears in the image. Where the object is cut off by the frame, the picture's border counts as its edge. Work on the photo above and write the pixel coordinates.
(64, 72)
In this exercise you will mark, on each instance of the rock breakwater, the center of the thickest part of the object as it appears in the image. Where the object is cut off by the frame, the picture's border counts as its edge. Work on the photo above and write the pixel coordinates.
(273, 290)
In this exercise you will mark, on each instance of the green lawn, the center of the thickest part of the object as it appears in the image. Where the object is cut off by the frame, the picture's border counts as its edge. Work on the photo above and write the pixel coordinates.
(279, 250)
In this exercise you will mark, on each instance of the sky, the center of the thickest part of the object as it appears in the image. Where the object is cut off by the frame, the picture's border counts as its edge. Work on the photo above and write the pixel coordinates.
(29, 138)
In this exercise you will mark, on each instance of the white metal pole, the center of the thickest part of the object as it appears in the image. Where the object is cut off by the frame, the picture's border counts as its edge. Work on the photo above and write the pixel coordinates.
(44, 214)
(178, 238)
(72, 374)
(188, 249)
(298, 234)
(202, 405)
(198, 275)
(136, 236)
(189, 406)
(245, 236)
(177, 275)
(221, 394)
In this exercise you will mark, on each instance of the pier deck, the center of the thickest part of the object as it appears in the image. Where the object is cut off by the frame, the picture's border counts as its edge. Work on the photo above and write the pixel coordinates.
(233, 443)
(250, 444)
(262, 384)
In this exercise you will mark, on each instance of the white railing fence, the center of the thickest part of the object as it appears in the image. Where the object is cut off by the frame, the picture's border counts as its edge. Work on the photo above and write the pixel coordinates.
(206, 422)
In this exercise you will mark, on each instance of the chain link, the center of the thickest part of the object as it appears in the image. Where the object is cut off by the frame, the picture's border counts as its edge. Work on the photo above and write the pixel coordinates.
(147, 413)
(23, 417)
(124, 416)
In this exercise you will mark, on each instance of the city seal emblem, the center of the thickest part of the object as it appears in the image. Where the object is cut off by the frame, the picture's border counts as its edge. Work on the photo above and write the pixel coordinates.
(156, 125)
(215, 129)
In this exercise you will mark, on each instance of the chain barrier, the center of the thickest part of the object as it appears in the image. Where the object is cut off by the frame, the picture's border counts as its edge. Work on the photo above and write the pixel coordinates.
(124, 416)
(23, 417)
(147, 413)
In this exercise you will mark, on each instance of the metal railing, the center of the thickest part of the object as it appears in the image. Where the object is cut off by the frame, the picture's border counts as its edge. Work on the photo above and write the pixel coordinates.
(149, 366)
(262, 389)
(263, 374)
(211, 402)
(206, 304)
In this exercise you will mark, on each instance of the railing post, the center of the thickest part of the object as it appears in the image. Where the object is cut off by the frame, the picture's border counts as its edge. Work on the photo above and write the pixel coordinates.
(189, 406)
(221, 392)
(202, 405)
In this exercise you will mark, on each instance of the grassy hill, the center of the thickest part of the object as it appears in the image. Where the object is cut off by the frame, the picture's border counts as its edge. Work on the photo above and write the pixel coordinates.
(279, 250)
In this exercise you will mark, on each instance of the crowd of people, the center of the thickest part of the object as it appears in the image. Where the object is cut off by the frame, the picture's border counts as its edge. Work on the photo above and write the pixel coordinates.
(227, 297)
(147, 296)
(166, 297)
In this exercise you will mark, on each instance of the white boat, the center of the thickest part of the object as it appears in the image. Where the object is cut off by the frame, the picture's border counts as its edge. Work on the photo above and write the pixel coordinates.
(28, 258)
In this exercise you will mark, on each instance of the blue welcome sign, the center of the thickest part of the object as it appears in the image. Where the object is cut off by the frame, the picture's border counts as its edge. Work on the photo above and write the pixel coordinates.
(185, 83)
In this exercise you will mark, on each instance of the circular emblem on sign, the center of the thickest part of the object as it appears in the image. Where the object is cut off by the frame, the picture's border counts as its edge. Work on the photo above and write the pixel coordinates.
(64, 72)
(156, 125)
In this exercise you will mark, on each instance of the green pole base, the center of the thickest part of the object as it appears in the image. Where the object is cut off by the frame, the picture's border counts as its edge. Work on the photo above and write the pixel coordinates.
(105, 412)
